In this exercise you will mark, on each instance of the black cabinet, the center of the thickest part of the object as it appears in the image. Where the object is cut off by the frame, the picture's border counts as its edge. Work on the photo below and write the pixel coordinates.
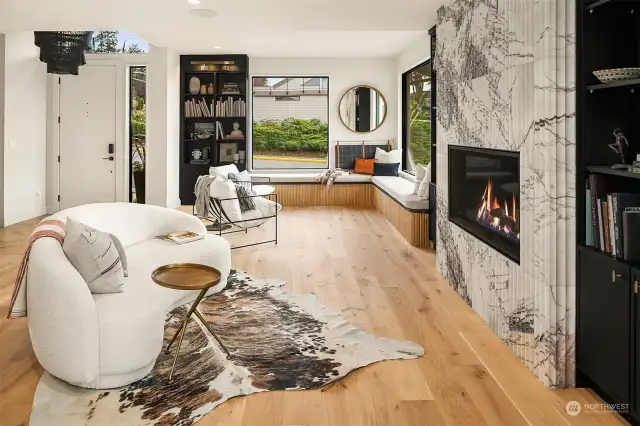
(635, 329)
(605, 323)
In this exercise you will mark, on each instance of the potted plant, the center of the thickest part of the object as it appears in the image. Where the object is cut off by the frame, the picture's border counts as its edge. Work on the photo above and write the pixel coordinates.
(139, 161)
(139, 151)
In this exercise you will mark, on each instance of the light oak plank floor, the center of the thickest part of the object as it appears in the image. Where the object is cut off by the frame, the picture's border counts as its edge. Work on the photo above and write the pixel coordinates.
(356, 263)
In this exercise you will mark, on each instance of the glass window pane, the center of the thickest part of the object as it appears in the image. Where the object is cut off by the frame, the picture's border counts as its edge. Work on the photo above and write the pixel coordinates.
(417, 116)
(290, 123)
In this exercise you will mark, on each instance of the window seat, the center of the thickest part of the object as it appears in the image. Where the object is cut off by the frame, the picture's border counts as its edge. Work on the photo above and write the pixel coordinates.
(401, 190)
(308, 178)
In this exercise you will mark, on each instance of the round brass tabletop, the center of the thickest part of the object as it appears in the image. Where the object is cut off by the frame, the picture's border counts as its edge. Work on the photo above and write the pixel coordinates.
(186, 276)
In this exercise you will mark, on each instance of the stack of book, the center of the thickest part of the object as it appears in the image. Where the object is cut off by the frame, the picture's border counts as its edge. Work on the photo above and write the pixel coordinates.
(635, 167)
(230, 89)
(197, 108)
(615, 220)
(231, 107)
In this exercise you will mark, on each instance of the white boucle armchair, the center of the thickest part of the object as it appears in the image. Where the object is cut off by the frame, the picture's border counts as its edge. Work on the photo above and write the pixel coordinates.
(109, 340)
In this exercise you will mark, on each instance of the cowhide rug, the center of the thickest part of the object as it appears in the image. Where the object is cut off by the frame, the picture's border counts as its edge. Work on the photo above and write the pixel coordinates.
(278, 341)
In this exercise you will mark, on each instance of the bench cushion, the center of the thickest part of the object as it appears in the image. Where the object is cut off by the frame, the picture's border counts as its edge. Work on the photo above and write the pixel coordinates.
(401, 190)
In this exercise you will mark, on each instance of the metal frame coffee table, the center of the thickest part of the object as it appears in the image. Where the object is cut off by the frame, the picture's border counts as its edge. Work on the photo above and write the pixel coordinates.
(188, 276)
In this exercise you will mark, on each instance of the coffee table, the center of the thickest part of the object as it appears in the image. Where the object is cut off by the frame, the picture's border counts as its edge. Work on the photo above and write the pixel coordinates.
(188, 276)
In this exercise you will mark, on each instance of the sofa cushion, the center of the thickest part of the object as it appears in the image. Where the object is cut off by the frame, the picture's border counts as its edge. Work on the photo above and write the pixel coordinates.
(401, 190)
(95, 256)
(132, 323)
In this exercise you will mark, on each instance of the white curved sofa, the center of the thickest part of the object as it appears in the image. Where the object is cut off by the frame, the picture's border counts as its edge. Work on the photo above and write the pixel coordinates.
(104, 341)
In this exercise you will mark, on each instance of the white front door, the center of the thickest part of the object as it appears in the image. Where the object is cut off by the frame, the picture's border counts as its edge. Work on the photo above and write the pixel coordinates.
(87, 134)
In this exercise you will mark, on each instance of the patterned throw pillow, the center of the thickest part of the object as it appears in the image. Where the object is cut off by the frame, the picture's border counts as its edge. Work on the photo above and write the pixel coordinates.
(95, 257)
(242, 179)
(247, 203)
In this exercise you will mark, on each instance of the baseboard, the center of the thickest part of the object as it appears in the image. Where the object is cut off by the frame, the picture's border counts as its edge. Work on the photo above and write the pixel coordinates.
(174, 204)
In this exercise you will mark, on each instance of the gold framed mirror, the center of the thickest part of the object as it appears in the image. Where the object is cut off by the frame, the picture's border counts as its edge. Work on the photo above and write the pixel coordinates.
(362, 109)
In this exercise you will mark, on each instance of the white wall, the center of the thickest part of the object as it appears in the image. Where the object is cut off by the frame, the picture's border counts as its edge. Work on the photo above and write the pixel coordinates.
(2, 39)
(412, 56)
(25, 129)
(343, 74)
(163, 128)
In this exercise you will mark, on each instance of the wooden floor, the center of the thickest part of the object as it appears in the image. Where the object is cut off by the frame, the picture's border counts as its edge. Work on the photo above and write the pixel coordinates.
(357, 263)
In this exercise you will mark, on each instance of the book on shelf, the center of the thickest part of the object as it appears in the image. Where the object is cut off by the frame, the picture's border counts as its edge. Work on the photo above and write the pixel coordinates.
(614, 217)
(588, 227)
(182, 237)
(631, 234)
(197, 108)
(231, 107)
(230, 89)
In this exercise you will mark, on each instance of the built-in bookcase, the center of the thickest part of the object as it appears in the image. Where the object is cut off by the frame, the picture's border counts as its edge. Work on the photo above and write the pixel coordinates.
(608, 313)
(226, 82)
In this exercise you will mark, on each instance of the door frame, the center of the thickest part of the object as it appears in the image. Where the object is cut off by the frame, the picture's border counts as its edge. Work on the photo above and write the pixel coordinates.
(122, 63)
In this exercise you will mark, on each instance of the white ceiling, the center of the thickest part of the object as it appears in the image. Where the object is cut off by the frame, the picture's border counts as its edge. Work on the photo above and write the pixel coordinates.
(275, 28)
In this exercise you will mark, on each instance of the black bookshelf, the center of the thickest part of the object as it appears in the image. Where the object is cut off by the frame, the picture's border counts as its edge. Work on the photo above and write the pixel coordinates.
(213, 70)
(608, 312)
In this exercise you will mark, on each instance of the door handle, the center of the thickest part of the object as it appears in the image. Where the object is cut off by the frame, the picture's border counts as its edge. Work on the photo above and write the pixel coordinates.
(108, 158)
(614, 276)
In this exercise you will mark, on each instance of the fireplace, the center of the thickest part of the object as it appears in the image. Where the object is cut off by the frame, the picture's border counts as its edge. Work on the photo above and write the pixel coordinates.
(484, 196)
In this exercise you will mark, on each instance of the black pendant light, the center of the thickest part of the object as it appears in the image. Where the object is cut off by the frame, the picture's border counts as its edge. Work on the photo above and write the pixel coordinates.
(63, 51)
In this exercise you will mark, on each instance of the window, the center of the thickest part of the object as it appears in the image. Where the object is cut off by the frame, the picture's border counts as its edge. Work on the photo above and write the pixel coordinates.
(290, 123)
(117, 42)
(416, 116)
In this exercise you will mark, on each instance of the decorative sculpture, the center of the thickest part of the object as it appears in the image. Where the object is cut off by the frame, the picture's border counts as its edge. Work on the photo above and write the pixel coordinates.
(621, 146)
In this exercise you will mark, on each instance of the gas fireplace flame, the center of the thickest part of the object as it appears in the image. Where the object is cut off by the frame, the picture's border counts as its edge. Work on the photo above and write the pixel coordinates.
(496, 214)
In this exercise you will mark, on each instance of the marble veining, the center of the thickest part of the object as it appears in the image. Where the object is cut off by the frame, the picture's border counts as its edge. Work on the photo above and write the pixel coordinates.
(506, 81)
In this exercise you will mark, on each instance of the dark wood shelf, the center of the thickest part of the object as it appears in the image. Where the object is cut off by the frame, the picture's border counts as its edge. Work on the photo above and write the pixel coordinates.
(200, 118)
(200, 140)
(621, 83)
(604, 170)
(232, 140)
(204, 96)
(599, 3)
(232, 116)
(618, 259)
(238, 94)
(214, 72)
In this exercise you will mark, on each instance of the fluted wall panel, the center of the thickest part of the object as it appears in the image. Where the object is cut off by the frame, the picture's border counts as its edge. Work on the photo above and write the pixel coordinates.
(506, 81)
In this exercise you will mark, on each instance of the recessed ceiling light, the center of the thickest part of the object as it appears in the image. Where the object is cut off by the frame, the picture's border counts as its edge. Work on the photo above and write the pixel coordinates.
(193, 1)
(217, 47)
(203, 13)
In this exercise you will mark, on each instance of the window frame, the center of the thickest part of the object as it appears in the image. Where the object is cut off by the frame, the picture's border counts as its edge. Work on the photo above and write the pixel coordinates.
(250, 143)
(405, 122)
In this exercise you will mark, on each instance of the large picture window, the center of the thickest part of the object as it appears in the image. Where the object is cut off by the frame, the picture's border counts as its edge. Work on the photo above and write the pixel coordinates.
(290, 123)
(416, 116)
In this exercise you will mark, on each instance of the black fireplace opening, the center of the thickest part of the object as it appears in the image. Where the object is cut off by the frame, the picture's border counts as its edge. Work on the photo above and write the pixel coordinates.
(484, 196)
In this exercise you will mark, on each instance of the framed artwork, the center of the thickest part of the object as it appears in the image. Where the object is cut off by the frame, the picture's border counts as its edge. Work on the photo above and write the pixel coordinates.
(227, 151)
(204, 130)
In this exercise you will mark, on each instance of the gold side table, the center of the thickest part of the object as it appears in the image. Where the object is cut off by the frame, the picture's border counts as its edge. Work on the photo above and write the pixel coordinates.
(188, 276)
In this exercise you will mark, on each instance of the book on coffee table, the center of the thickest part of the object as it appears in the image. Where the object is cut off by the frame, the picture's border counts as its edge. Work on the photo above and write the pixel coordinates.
(182, 237)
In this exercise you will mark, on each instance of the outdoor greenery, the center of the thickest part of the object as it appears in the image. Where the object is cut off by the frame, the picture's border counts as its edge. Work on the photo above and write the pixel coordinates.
(419, 115)
(107, 42)
(292, 135)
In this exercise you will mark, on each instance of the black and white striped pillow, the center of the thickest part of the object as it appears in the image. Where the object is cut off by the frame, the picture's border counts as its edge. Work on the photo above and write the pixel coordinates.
(243, 179)
(247, 203)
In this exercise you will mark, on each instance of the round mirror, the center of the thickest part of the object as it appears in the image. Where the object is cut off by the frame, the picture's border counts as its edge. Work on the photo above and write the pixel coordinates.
(363, 109)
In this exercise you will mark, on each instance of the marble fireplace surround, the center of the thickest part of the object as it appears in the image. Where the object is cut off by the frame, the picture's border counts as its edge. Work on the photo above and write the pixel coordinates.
(506, 80)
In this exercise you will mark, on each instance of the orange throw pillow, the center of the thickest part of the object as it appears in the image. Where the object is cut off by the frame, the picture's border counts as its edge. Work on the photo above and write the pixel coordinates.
(364, 166)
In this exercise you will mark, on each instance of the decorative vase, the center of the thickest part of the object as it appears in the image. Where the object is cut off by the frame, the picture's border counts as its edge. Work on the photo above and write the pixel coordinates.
(210, 89)
(203, 90)
(139, 182)
(194, 85)
(196, 154)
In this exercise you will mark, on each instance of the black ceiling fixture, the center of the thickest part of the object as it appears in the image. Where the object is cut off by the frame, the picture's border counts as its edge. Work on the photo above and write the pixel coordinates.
(63, 51)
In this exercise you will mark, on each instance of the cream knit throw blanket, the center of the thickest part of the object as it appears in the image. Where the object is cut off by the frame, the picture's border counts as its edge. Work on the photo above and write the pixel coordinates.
(328, 176)
(46, 228)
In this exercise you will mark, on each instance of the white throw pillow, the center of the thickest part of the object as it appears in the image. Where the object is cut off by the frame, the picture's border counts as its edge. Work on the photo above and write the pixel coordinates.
(95, 256)
(223, 170)
(222, 188)
(392, 156)
(420, 171)
(423, 189)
